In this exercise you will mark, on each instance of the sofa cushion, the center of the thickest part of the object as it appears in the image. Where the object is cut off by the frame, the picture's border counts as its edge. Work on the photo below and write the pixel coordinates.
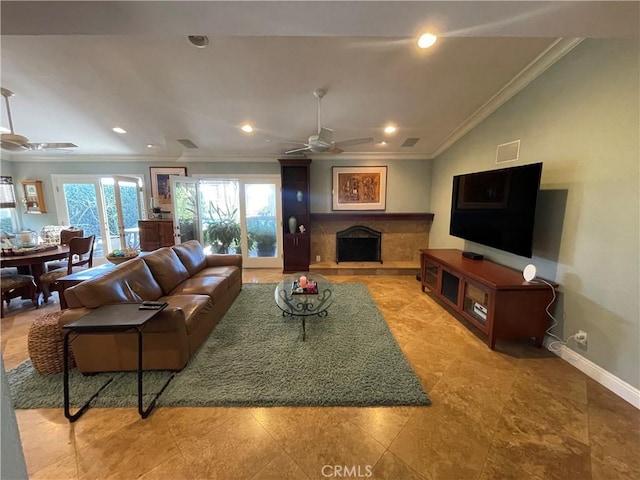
(194, 308)
(130, 282)
(215, 287)
(191, 255)
(166, 268)
(234, 274)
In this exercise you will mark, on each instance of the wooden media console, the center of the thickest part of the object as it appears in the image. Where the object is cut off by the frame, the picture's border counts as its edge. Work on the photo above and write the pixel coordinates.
(494, 298)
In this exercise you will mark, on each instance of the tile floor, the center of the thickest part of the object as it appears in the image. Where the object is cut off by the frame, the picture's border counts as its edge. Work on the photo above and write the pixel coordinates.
(514, 413)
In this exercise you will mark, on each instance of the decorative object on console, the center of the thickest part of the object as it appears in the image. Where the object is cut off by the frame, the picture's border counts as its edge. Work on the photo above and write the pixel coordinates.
(161, 183)
(529, 272)
(293, 224)
(299, 195)
(302, 229)
(359, 188)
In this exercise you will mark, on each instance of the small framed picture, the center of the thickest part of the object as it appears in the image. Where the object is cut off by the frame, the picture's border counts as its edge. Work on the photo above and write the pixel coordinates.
(161, 183)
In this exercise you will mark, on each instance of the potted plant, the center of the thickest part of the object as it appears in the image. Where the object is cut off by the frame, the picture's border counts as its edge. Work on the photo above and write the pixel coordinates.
(222, 229)
(262, 231)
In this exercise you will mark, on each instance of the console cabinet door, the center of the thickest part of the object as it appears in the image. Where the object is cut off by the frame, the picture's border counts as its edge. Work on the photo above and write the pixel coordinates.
(165, 234)
(296, 253)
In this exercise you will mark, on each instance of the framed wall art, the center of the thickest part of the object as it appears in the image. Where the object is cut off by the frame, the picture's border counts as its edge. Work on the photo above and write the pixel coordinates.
(359, 188)
(161, 184)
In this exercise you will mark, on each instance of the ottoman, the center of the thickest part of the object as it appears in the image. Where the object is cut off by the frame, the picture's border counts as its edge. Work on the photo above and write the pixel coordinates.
(45, 344)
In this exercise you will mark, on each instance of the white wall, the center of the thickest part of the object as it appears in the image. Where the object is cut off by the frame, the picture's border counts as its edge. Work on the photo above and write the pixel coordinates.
(581, 119)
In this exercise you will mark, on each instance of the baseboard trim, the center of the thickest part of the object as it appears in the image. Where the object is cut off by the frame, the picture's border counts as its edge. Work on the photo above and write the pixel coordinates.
(621, 388)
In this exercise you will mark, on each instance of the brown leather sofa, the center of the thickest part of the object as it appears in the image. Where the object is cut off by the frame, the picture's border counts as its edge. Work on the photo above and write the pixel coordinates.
(199, 289)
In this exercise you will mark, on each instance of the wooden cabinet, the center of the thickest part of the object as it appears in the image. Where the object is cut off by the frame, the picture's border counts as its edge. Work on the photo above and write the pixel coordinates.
(155, 234)
(295, 213)
(494, 298)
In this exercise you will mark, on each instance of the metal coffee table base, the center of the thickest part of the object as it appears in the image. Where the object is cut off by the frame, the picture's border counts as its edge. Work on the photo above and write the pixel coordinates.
(143, 413)
(304, 318)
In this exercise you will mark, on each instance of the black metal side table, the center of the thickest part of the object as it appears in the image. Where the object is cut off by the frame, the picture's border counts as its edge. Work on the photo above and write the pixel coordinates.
(121, 317)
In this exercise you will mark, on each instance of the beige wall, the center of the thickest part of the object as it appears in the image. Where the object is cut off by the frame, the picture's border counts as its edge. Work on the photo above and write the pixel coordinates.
(581, 119)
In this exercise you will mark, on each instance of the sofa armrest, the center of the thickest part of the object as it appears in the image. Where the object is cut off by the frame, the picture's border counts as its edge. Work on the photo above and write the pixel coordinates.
(222, 260)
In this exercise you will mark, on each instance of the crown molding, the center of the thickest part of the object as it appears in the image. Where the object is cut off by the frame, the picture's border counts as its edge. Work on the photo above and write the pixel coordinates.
(533, 70)
(222, 158)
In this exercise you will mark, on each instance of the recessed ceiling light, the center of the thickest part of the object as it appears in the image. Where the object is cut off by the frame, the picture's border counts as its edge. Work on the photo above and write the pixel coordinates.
(247, 128)
(150, 145)
(382, 143)
(199, 41)
(427, 40)
(4, 130)
(389, 129)
(119, 130)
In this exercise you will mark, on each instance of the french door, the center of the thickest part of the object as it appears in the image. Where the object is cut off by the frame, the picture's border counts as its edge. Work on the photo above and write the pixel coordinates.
(105, 206)
(241, 214)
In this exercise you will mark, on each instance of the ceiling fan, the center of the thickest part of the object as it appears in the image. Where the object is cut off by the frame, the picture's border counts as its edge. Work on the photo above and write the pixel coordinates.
(323, 141)
(14, 142)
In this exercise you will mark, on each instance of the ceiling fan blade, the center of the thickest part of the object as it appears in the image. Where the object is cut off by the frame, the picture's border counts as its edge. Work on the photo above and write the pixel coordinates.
(355, 141)
(303, 149)
(325, 135)
(50, 146)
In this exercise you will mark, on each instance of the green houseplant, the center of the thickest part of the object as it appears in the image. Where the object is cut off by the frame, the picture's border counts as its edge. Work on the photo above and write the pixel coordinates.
(262, 231)
(222, 229)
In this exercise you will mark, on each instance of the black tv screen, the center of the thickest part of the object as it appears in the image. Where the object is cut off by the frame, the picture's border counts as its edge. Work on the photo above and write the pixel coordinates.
(497, 207)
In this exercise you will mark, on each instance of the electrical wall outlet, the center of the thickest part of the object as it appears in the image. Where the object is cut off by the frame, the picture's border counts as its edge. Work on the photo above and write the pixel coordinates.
(581, 337)
(317, 258)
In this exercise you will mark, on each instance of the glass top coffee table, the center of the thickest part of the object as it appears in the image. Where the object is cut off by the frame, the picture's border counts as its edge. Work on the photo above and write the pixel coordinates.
(304, 294)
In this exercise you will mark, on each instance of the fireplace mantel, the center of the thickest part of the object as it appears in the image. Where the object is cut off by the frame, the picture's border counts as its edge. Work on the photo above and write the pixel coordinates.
(329, 217)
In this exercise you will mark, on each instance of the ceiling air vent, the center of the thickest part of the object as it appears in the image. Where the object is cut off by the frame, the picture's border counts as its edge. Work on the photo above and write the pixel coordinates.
(410, 142)
(186, 143)
(508, 152)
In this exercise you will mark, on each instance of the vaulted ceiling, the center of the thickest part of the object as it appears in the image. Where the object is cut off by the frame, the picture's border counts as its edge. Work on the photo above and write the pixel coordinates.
(78, 69)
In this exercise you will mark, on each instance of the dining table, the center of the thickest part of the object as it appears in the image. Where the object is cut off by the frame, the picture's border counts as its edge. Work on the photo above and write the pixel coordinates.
(34, 263)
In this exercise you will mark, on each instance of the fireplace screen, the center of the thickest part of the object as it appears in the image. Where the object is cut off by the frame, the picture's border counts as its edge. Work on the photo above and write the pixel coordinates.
(358, 244)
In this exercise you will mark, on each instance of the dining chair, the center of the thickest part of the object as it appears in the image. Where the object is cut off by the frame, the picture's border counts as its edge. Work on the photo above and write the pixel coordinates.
(80, 258)
(65, 237)
(13, 285)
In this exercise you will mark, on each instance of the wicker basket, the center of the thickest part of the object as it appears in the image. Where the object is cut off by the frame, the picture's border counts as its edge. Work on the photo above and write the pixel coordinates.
(45, 344)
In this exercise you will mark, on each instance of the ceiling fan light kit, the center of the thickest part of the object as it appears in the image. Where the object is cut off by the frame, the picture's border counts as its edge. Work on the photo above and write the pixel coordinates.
(323, 142)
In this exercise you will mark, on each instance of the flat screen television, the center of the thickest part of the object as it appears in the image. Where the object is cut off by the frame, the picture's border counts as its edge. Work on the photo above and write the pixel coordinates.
(497, 207)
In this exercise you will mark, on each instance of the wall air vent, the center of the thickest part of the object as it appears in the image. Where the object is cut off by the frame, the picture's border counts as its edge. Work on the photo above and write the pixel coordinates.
(508, 152)
(186, 143)
(410, 142)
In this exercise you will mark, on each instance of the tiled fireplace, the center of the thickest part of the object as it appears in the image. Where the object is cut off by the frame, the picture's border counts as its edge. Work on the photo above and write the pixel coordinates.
(402, 235)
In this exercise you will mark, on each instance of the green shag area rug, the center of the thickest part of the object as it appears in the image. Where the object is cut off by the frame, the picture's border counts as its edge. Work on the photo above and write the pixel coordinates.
(256, 357)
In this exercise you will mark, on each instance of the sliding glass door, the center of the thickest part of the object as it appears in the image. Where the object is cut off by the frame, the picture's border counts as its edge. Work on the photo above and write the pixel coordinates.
(242, 215)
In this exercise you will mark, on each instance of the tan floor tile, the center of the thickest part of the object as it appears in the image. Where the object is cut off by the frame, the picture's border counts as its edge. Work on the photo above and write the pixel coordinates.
(99, 423)
(316, 437)
(381, 423)
(443, 442)
(281, 468)
(237, 448)
(390, 467)
(566, 380)
(555, 413)
(130, 452)
(535, 449)
(67, 468)
(615, 439)
(186, 422)
(606, 467)
(28, 419)
(47, 444)
(174, 468)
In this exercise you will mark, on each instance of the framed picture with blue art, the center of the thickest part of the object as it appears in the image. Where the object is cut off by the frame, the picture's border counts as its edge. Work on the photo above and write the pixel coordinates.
(161, 184)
